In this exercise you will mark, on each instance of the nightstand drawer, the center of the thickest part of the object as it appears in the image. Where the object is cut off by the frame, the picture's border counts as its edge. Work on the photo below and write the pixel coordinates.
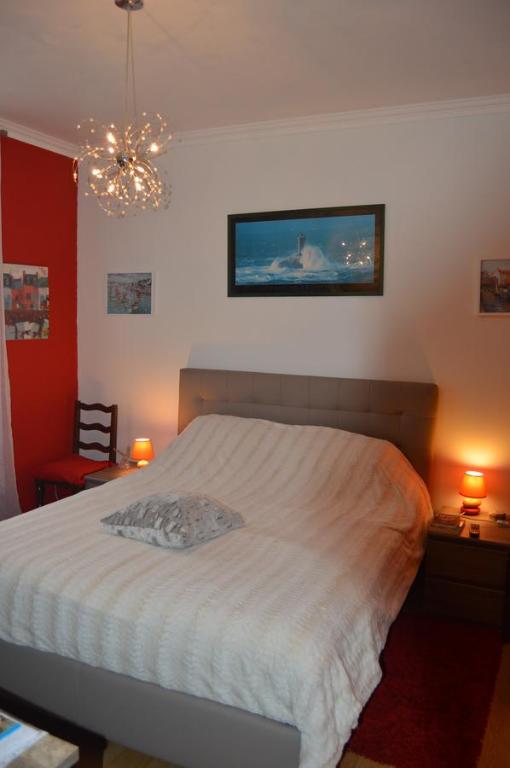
(463, 601)
(473, 564)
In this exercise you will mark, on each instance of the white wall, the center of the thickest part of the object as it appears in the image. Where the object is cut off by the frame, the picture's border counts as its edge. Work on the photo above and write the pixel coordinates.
(446, 185)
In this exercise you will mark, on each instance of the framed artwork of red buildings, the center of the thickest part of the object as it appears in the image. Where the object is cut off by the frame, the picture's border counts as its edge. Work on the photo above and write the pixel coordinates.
(26, 301)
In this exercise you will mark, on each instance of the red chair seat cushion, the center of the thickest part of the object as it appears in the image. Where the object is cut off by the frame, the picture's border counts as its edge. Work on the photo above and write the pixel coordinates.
(72, 469)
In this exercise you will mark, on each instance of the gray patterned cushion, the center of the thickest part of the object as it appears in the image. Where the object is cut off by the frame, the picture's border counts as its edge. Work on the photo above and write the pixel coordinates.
(172, 519)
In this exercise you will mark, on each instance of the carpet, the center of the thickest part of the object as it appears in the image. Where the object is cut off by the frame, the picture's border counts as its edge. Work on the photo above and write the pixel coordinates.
(432, 706)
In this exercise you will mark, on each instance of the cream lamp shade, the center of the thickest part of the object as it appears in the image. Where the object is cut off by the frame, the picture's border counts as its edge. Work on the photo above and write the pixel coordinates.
(473, 488)
(142, 451)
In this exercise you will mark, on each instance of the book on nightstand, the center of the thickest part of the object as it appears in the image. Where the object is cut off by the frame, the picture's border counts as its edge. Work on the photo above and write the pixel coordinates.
(15, 738)
(450, 523)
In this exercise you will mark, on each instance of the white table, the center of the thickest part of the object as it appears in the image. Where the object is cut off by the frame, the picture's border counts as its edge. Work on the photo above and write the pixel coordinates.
(48, 752)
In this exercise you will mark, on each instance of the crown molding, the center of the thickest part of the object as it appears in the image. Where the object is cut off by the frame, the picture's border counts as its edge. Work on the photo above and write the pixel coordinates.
(356, 119)
(38, 139)
(333, 121)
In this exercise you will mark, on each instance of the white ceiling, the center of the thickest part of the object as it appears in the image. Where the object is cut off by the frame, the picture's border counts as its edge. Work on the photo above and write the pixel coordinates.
(208, 63)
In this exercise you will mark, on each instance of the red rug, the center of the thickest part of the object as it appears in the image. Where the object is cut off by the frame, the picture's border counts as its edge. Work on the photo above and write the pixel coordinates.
(431, 708)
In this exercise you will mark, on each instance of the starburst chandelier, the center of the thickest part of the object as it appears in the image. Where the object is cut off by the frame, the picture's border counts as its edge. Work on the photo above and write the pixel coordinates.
(119, 160)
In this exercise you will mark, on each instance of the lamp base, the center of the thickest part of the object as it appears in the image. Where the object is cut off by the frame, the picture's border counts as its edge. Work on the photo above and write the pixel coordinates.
(470, 509)
(129, 5)
(142, 463)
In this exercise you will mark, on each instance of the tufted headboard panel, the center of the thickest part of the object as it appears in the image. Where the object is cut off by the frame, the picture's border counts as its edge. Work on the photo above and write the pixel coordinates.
(398, 411)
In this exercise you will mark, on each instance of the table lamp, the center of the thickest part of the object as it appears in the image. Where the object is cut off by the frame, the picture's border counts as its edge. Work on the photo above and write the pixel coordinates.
(141, 451)
(473, 489)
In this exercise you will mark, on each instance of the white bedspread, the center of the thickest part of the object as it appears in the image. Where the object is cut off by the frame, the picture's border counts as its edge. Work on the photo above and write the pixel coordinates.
(285, 617)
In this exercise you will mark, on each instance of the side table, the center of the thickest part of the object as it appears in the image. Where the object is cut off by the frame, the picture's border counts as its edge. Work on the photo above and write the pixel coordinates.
(469, 578)
(105, 475)
(48, 752)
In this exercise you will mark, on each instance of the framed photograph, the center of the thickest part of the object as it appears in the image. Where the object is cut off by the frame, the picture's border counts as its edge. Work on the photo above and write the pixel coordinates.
(310, 252)
(26, 302)
(129, 293)
(494, 296)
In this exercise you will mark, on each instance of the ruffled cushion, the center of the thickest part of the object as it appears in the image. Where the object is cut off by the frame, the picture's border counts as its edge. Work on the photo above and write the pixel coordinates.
(174, 519)
(72, 469)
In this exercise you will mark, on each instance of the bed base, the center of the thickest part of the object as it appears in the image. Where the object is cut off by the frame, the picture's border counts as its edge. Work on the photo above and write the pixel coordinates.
(183, 729)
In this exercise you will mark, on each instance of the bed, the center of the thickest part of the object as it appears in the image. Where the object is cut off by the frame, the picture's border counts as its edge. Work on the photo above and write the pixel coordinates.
(259, 662)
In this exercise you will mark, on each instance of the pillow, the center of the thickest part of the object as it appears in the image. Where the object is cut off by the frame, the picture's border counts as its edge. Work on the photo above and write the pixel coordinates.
(174, 520)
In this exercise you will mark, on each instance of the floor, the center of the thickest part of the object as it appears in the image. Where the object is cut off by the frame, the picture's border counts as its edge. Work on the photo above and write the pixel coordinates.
(118, 757)
(496, 745)
(495, 751)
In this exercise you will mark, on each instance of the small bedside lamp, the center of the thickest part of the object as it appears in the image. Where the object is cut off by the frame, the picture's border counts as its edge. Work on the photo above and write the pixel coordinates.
(473, 488)
(141, 451)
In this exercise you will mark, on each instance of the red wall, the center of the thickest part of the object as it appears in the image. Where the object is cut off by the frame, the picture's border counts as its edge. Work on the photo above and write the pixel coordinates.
(39, 228)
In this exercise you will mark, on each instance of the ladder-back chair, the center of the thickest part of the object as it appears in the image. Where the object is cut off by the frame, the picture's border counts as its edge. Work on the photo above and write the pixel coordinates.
(69, 472)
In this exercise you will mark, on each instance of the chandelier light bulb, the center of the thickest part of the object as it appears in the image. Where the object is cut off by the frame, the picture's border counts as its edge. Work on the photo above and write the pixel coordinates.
(119, 170)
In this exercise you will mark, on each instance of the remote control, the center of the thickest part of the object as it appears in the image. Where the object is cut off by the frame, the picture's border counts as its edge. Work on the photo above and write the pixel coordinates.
(474, 531)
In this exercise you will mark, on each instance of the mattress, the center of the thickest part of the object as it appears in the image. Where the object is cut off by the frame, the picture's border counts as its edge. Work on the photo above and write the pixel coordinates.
(285, 617)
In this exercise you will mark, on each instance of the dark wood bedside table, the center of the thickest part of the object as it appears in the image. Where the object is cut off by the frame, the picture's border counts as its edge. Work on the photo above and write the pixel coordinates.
(105, 475)
(469, 578)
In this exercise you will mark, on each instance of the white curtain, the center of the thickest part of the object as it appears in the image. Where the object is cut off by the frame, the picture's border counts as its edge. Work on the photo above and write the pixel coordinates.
(9, 504)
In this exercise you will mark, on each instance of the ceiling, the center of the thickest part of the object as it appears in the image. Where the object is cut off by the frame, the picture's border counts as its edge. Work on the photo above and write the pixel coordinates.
(210, 63)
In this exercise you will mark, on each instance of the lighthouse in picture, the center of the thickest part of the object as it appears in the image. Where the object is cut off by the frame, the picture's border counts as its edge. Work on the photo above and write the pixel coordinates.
(300, 243)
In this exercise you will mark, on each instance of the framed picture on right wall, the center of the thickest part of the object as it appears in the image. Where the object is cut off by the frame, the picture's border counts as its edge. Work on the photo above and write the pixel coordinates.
(494, 296)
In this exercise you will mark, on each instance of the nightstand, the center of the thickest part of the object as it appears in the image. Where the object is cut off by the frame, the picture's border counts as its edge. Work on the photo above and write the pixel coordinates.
(469, 578)
(105, 475)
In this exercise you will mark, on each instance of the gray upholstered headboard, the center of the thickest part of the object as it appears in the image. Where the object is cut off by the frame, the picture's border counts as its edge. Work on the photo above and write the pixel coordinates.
(398, 411)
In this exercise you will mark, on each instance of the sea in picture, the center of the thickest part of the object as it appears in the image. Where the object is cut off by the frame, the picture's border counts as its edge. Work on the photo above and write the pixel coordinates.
(129, 293)
(334, 249)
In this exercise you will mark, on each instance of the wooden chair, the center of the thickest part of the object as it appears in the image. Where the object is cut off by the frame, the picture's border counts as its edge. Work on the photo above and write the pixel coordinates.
(69, 472)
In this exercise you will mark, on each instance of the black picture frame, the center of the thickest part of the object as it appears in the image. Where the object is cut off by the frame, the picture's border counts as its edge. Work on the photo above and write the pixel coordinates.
(282, 272)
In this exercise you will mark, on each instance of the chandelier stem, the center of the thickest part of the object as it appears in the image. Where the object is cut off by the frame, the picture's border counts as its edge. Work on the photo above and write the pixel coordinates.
(129, 84)
(133, 83)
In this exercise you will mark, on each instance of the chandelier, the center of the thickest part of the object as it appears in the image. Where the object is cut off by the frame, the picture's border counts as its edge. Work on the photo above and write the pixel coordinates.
(119, 160)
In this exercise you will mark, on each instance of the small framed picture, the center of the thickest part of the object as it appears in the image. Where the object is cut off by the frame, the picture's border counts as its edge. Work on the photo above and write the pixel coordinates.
(494, 296)
(309, 252)
(26, 301)
(129, 293)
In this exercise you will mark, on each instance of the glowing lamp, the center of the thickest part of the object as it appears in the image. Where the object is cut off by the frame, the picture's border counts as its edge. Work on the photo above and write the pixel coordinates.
(473, 488)
(142, 451)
